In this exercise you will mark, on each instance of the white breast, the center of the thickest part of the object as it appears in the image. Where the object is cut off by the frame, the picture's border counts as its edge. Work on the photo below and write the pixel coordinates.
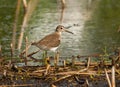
(54, 49)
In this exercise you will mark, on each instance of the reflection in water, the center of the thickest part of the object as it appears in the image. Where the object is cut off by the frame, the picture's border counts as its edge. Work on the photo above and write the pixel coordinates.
(89, 37)
(73, 16)
(31, 6)
(94, 28)
(70, 16)
(62, 10)
(101, 30)
(62, 15)
(7, 9)
(15, 25)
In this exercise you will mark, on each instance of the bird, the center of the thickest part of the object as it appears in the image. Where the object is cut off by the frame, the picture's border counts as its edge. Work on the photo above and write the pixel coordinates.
(52, 41)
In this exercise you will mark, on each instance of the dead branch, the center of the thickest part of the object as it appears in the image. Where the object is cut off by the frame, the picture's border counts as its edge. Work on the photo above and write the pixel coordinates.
(108, 79)
(15, 24)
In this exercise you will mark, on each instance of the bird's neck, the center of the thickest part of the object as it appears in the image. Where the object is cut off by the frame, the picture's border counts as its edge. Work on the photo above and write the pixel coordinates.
(59, 32)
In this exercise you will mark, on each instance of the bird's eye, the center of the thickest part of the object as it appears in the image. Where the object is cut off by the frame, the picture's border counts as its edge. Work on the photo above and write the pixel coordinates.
(61, 28)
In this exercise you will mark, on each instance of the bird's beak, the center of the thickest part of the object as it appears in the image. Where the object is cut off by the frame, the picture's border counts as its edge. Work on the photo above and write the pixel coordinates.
(68, 31)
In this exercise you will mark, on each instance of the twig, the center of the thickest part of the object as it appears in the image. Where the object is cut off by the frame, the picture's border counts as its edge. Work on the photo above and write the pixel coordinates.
(0, 50)
(15, 25)
(53, 85)
(31, 6)
(113, 73)
(33, 53)
(63, 4)
(85, 69)
(113, 76)
(87, 83)
(22, 31)
(73, 60)
(21, 85)
(64, 63)
(23, 52)
(30, 56)
(62, 78)
(108, 79)
(47, 69)
(11, 45)
(88, 63)
(117, 60)
(25, 5)
(26, 52)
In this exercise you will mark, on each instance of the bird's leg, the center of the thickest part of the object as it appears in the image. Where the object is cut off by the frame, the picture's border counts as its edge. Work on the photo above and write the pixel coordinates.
(45, 57)
(46, 54)
(47, 61)
(56, 58)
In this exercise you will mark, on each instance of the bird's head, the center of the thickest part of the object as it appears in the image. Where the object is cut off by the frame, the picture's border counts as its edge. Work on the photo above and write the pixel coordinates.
(61, 28)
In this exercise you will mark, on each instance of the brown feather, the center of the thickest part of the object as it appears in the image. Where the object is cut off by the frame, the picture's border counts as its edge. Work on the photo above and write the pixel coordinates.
(49, 41)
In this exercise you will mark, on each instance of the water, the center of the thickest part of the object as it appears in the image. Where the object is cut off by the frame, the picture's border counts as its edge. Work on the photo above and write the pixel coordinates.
(102, 28)
(47, 22)
(94, 23)
(7, 15)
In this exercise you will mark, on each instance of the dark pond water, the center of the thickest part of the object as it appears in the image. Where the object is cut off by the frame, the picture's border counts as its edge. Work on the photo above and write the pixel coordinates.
(94, 23)
(7, 15)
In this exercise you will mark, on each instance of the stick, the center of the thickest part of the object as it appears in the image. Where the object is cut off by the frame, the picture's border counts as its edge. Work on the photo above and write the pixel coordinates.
(88, 63)
(87, 83)
(33, 53)
(57, 58)
(53, 85)
(63, 4)
(23, 52)
(11, 45)
(0, 51)
(62, 78)
(64, 63)
(22, 32)
(31, 6)
(113, 72)
(15, 25)
(21, 85)
(26, 52)
(47, 69)
(108, 79)
(25, 5)
(36, 60)
(113, 76)
(73, 60)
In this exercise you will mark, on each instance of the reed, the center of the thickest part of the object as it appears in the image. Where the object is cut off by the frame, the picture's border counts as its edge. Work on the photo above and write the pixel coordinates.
(113, 73)
(26, 52)
(25, 5)
(30, 8)
(15, 25)
(11, 46)
(107, 77)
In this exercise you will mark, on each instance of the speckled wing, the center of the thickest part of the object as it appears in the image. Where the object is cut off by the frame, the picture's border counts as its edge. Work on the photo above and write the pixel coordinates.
(49, 41)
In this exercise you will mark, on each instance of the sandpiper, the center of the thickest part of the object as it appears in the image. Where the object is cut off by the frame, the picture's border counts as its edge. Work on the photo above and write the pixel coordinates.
(52, 41)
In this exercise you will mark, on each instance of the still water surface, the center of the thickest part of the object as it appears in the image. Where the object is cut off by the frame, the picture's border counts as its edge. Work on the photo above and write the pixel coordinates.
(94, 25)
